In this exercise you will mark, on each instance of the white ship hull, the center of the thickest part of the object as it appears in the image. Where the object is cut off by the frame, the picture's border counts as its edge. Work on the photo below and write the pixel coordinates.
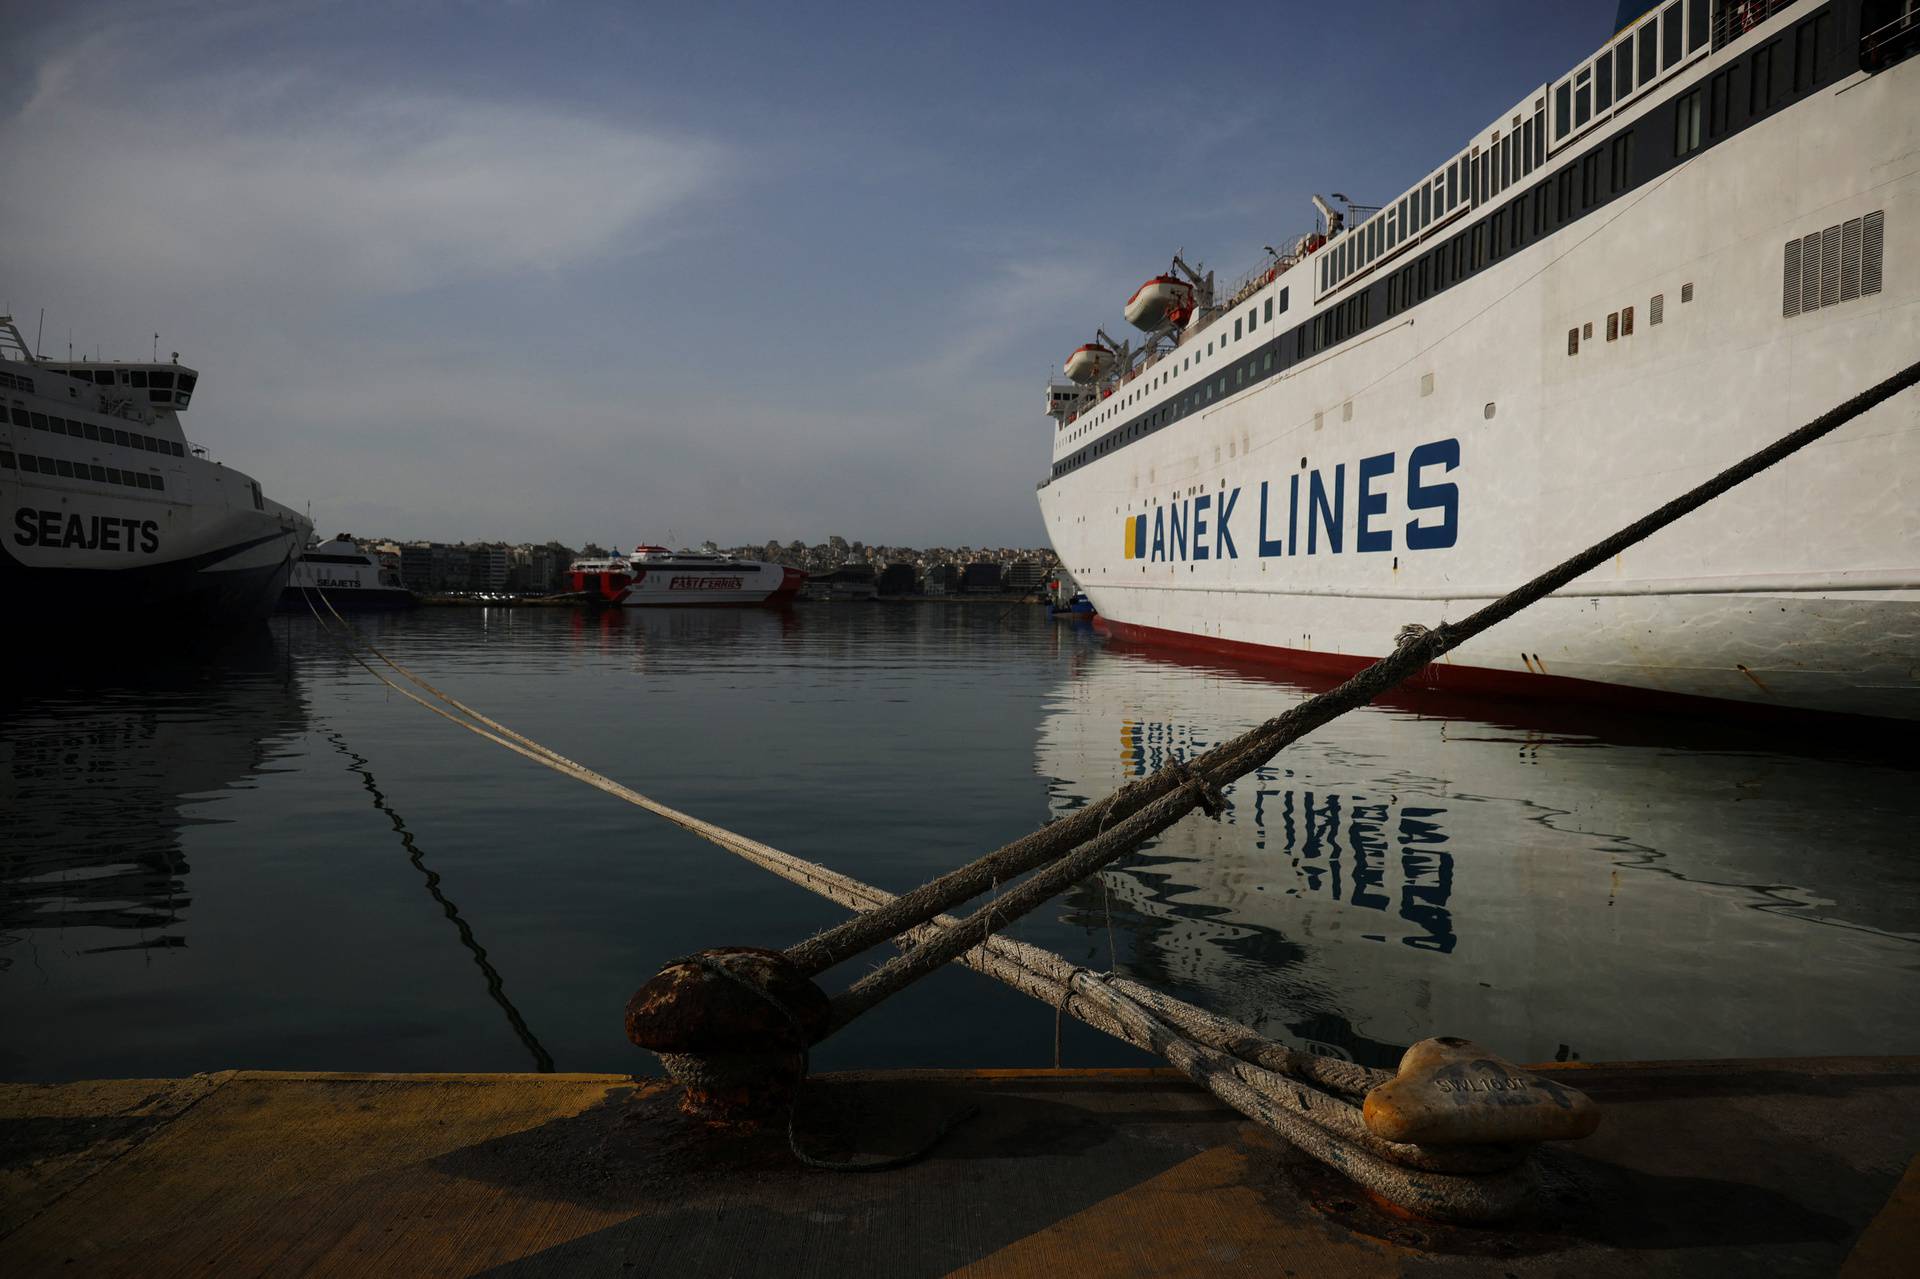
(709, 586)
(1455, 448)
(198, 555)
(110, 513)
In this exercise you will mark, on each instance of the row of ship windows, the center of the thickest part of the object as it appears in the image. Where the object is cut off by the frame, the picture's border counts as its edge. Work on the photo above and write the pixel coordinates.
(61, 468)
(1784, 65)
(1246, 323)
(1781, 70)
(14, 382)
(99, 434)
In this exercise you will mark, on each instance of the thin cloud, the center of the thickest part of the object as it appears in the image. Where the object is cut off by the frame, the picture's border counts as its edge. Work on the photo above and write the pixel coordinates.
(287, 180)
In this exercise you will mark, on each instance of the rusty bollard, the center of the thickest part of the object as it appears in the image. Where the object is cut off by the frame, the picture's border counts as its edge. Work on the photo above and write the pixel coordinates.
(1452, 1091)
(730, 1025)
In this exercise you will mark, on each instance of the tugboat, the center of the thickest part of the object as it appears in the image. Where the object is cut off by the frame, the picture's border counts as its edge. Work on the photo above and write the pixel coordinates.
(346, 577)
(112, 514)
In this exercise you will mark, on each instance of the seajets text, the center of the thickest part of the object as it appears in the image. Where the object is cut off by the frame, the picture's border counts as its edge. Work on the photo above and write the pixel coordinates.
(84, 532)
(1308, 514)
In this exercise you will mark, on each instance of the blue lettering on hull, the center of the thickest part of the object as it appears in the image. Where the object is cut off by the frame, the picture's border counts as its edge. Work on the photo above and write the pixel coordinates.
(1201, 527)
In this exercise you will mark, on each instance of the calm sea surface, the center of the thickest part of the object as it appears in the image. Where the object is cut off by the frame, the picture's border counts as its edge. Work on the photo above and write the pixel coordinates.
(268, 860)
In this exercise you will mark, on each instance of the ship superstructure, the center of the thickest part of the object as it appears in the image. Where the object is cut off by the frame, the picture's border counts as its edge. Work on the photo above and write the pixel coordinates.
(112, 511)
(1698, 238)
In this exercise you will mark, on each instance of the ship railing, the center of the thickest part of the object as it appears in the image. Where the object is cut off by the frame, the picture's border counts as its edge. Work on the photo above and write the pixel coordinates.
(1732, 19)
(1888, 43)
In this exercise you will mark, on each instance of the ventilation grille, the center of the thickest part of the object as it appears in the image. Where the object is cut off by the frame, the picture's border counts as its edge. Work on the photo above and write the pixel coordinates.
(1657, 309)
(1835, 265)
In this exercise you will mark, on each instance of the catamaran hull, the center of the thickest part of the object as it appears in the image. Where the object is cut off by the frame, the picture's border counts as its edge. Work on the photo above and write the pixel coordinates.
(734, 586)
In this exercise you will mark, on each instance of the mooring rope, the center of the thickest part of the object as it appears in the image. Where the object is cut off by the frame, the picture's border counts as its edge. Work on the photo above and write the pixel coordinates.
(1255, 1076)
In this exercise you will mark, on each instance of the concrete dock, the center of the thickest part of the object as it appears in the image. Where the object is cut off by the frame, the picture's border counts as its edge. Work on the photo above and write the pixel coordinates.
(1737, 1168)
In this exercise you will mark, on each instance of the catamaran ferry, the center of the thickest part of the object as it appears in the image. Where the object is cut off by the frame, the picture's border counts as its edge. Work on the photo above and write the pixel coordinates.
(654, 576)
(111, 512)
(1698, 238)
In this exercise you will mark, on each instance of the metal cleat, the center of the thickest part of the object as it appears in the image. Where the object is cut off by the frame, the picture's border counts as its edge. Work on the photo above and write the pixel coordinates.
(1453, 1091)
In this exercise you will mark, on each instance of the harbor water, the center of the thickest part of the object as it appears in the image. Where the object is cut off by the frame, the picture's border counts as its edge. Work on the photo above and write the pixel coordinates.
(266, 859)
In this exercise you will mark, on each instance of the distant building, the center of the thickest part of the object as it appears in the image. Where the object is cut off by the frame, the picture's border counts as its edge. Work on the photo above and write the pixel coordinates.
(942, 579)
(486, 568)
(1026, 577)
(982, 577)
(898, 579)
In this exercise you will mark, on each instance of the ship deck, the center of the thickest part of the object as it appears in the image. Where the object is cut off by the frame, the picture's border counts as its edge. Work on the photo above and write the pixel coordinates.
(1750, 1167)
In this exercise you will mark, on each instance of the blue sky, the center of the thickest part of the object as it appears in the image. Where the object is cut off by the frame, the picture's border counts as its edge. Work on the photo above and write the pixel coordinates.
(610, 270)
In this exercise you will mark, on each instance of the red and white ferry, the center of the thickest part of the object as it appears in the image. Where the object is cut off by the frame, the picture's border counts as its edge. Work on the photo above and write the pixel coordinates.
(654, 576)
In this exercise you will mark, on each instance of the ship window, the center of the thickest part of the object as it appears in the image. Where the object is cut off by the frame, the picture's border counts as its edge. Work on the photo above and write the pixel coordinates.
(1582, 105)
(140, 378)
(1236, 330)
(113, 476)
(1602, 83)
(142, 480)
(1562, 110)
(119, 437)
(91, 431)
(1697, 29)
(162, 380)
(66, 468)
(186, 381)
(1670, 35)
(39, 421)
(28, 463)
(1269, 311)
(159, 482)
(58, 425)
(1623, 66)
(20, 417)
(1649, 55)
(6, 460)
(99, 473)
(1686, 125)
(1283, 301)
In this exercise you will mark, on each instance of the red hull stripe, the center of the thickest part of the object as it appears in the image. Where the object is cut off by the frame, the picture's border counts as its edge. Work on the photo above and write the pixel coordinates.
(1471, 681)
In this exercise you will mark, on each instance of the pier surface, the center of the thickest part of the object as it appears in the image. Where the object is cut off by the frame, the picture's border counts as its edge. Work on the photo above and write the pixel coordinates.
(1738, 1168)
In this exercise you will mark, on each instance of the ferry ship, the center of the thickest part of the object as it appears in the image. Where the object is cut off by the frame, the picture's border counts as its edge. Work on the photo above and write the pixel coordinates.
(344, 575)
(1701, 236)
(113, 513)
(654, 576)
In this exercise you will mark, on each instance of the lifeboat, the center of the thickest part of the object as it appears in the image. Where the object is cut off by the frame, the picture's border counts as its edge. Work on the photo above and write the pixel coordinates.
(1159, 299)
(1089, 363)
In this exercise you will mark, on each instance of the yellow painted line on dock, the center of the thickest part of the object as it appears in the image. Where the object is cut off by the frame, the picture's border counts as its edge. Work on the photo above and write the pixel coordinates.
(1890, 1245)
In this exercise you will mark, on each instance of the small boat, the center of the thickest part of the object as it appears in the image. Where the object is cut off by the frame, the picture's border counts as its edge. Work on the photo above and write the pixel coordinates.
(344, 575)
(1088, 363)
(1078, 606)
(601, 581)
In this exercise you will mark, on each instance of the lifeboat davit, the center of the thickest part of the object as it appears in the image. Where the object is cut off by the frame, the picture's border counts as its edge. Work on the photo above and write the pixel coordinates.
(1153, 302)
(1090, 363)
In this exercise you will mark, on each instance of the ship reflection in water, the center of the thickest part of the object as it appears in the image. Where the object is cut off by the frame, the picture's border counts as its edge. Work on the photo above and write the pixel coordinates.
(97, 774)
(1562, 888)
